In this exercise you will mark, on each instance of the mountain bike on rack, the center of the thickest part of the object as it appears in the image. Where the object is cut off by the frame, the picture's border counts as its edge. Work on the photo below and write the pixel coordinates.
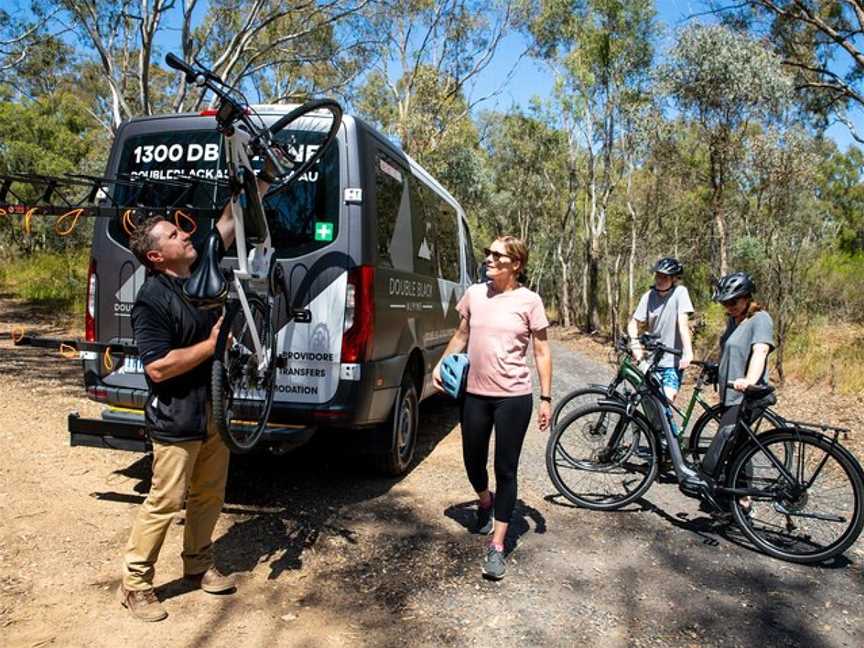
(795, 492)
(254, 294)
(629, 377)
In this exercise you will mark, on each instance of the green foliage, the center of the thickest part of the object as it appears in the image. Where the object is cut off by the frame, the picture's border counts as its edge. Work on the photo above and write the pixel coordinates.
(59, 278)
(723, 78)
(52, 136)
(829, 354)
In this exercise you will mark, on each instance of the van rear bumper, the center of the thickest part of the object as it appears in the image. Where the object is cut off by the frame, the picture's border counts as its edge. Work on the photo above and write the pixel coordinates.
(126, 431)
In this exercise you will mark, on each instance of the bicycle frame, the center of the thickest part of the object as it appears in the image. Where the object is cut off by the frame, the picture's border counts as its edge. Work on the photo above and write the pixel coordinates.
(255, 263)
(629, 372)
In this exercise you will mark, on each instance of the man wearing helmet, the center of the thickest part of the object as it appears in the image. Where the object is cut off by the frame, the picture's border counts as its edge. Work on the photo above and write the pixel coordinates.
(664, 311)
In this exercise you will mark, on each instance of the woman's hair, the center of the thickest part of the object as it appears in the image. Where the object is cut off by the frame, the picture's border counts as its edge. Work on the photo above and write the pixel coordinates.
(753, 307)
(518, 251)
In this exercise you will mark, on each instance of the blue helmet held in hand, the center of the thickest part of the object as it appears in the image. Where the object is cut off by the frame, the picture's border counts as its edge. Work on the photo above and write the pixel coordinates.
(454, 374)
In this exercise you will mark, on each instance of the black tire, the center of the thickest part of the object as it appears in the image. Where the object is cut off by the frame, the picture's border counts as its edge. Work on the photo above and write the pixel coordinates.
(327, 105)
(706, 426)
(235, 372)
(577, 399)
(837, 490)
(401, 427)
(580, 445)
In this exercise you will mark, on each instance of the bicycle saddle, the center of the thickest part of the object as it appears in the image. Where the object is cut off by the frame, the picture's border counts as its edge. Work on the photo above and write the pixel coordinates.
(207, 287)
(755, 392)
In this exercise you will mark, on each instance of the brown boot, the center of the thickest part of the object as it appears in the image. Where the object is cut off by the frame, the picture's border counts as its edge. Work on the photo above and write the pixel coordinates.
(142, 604)
(212, 581)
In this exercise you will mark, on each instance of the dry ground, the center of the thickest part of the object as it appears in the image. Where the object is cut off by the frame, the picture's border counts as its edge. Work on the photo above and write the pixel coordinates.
(327, 554)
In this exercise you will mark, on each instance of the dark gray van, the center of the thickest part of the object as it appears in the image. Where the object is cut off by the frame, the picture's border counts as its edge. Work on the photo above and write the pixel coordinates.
(373, 247)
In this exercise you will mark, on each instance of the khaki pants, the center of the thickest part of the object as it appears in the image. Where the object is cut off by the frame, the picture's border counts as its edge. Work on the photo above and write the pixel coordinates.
(194, 471)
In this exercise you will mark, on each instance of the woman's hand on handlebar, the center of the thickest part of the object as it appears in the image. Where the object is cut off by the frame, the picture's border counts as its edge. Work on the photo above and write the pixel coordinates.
(740, 384)
(685, 361)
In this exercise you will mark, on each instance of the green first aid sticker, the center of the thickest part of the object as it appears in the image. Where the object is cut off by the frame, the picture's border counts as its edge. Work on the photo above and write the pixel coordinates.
(323, 231)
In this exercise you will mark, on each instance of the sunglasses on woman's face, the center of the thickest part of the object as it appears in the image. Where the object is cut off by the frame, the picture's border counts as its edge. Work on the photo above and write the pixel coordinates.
(496, 256)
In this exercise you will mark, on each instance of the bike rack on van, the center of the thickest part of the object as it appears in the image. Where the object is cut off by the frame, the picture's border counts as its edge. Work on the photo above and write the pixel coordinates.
(71, 197)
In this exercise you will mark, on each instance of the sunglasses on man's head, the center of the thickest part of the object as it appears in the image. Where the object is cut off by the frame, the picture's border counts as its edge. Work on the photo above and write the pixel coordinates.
(496, 256)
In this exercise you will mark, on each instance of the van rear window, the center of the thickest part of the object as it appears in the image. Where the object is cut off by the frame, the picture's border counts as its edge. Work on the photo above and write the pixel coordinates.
(303, 217)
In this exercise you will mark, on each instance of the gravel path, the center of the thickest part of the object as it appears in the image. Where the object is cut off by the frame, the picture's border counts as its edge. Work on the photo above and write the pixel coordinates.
(329, 555)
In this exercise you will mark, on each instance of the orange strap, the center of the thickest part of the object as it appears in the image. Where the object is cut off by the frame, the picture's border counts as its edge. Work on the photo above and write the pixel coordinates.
(127, 222)
(68, 351)
(17, 333)
(107, 360)
(75, 215)
(27, 218)
(178, 214)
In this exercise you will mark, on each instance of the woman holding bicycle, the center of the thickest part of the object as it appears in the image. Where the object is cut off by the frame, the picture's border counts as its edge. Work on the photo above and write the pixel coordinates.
(664, 311)
(499, 318)
(745, 345)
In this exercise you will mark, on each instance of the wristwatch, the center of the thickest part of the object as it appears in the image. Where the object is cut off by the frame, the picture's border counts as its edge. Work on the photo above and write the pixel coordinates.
(548, 399)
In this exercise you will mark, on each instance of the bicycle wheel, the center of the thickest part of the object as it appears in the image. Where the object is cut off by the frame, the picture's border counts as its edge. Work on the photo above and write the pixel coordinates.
(601, 458)
(577, 399)
(326, 125)
(242, 382)
(814, 516)
(706, 426)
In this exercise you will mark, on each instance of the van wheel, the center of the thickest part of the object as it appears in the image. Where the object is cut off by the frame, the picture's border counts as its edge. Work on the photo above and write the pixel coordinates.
(401, 427)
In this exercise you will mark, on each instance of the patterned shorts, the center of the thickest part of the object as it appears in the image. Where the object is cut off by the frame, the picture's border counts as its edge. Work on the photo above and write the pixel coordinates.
(671, 377)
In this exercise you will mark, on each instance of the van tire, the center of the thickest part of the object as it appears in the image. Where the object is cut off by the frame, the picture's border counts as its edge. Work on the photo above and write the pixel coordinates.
(401, 428)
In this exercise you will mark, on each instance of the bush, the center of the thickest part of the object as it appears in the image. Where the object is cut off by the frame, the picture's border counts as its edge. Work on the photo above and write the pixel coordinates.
(840, 285)
(828, 352)
(55, 278)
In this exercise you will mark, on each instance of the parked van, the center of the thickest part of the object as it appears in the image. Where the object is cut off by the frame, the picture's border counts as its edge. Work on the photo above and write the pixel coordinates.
(372, 246)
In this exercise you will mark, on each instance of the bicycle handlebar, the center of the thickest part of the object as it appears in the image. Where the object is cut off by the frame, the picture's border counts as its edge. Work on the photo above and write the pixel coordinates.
(179, 64)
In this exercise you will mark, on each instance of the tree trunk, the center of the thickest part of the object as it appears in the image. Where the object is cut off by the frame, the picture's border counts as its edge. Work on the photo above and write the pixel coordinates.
(565, 288)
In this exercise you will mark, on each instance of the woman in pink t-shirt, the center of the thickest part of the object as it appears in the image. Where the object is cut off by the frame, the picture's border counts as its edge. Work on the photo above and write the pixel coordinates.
(499, 317)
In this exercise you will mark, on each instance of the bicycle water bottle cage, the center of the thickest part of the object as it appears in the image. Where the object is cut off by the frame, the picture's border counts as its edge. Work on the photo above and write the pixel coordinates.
(207, 287)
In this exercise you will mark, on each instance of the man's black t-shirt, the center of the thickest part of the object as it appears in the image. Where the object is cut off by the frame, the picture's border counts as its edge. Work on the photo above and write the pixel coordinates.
(162, 320)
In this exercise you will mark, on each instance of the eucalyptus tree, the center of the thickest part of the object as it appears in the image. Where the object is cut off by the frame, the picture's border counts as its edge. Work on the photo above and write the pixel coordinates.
(724, 81)
(785, 226)
(294, 47)
(421, 89)
(601, 52)
(819, 42)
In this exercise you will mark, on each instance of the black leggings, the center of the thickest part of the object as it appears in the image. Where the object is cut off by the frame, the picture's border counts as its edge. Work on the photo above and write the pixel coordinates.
(510, 415)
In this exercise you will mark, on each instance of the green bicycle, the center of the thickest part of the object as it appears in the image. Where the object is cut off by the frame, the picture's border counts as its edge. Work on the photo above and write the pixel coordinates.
(629, 377)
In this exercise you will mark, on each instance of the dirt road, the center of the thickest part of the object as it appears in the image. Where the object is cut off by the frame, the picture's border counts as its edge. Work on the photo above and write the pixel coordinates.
(328, 555)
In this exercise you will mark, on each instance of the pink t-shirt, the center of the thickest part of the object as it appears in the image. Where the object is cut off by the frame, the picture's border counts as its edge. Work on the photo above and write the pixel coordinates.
(500, 326)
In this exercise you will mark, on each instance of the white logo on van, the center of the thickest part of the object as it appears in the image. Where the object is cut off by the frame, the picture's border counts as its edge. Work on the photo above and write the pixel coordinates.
(446, 289)
(125, 297)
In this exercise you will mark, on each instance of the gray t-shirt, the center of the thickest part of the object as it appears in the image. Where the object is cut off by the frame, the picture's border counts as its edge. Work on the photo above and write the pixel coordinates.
(736, 346)
(660, 312)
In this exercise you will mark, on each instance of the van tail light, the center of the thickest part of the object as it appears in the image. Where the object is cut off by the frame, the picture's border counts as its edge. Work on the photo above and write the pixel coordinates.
(359, 314)
(90, 312)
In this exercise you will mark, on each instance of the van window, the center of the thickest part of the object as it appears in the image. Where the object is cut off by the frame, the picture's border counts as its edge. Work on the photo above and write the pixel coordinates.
(158, 159)
(470, 262)
(303, 217)
(436, 238)
(447, 240)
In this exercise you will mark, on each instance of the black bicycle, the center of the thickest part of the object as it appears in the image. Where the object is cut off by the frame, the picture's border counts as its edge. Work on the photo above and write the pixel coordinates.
(694, 440)
(794, 491)
(254, 293)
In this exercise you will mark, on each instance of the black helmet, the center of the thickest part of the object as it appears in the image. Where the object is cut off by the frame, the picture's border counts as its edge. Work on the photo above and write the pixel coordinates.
(669, 266)
(733, 285)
